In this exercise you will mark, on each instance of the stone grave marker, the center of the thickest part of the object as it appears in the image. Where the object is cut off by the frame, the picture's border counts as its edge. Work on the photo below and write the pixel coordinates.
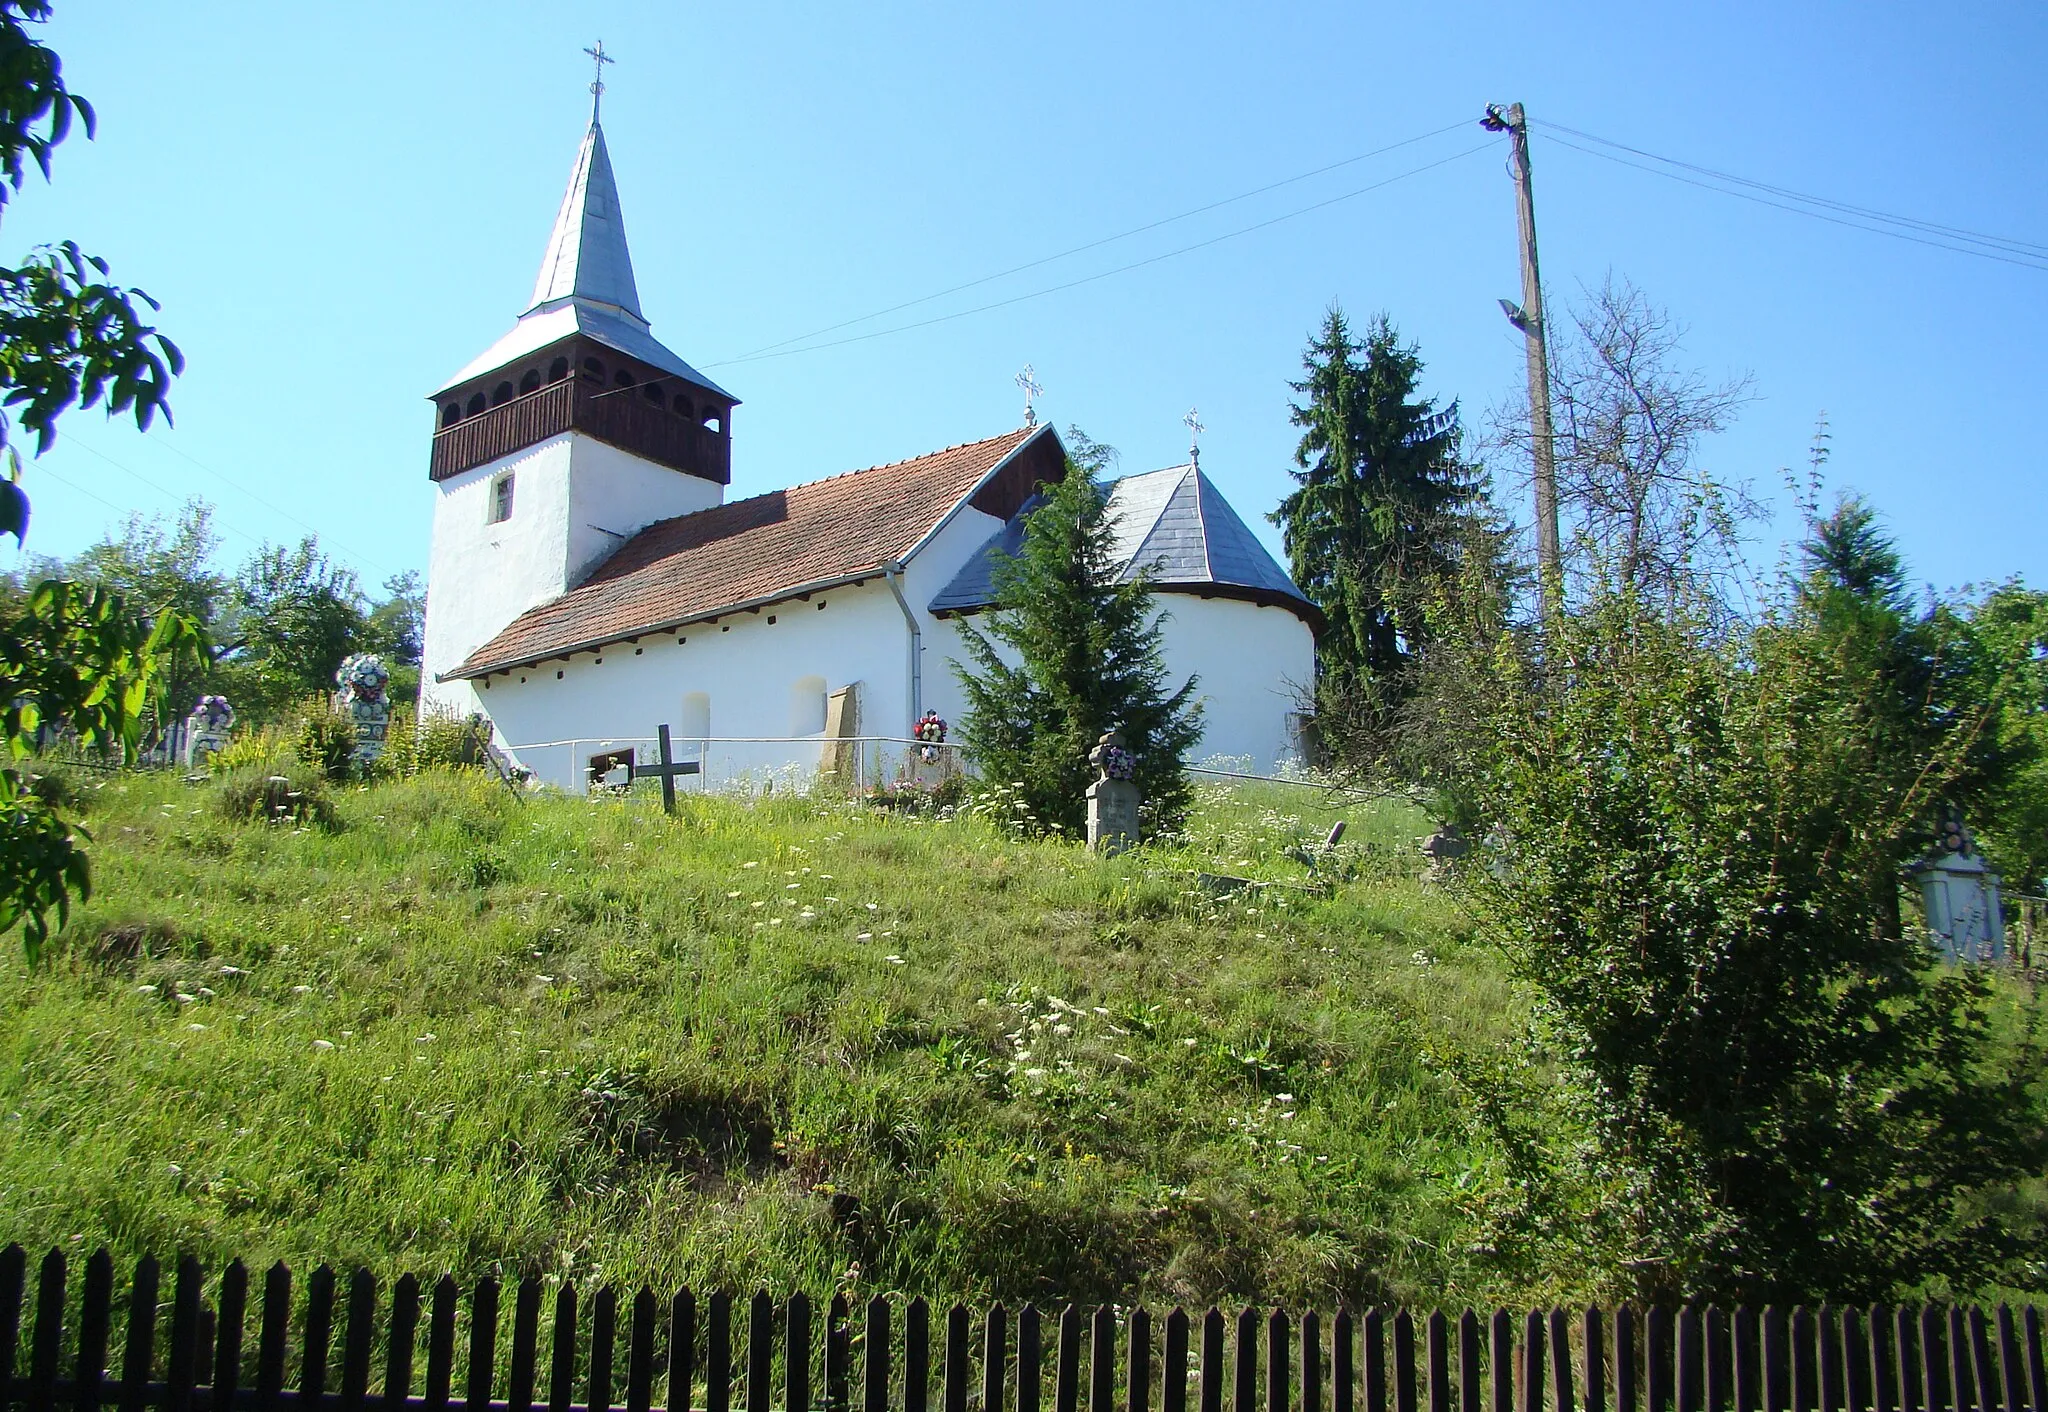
(1114, 798)
(1959, 894)
(362, 678)
(206, 731)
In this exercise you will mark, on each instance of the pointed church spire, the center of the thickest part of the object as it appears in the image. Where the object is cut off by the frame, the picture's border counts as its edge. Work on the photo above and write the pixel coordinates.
(587, 259)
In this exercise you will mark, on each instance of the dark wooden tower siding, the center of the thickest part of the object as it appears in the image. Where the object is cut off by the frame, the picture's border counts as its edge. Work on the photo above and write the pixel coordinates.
(582, 385)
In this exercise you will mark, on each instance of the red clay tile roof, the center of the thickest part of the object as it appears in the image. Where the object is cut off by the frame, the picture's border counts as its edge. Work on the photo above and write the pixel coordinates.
(748, 552)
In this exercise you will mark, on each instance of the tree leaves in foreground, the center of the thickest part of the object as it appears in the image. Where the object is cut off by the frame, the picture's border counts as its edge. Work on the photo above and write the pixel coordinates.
(75, 661)
(1083, 657)
(1697, 836)
(67, 336)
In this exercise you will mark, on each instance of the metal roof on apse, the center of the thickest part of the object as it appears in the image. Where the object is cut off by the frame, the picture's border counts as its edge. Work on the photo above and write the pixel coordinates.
(1176, 525)
(585, 284)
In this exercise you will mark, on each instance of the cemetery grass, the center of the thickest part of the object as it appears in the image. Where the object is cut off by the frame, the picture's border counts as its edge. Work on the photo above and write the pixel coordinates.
(792, 1044)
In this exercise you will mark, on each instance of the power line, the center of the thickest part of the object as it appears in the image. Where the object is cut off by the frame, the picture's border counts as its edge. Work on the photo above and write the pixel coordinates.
(71, 484)
(362, 559)
(236, 530)
(1118, 270)
(2009, 243)
(1092, 244)
(2018, 249)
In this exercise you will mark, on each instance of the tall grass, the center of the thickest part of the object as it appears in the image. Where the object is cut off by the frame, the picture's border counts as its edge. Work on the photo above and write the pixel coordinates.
(793, 1043)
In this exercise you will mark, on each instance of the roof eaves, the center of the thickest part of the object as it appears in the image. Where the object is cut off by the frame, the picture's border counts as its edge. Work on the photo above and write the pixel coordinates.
(466, 672)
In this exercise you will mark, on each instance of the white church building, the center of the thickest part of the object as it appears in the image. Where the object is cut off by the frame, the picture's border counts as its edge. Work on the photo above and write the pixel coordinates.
(589, 581)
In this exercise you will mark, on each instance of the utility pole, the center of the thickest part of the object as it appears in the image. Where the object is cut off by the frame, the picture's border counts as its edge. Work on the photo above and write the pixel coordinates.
(1528, 317)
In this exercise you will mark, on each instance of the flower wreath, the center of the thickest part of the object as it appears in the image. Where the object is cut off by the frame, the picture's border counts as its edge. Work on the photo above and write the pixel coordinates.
(1119, 764)
(930, 732)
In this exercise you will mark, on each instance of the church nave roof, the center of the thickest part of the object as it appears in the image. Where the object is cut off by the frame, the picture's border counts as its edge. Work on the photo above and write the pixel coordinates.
(766, 548)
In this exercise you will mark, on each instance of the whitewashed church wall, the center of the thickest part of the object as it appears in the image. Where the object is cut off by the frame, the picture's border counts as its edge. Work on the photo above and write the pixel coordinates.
(737, 677)
(924, 578)
(480, 575)
(616, 491)
(565, 493)
(1252, 661)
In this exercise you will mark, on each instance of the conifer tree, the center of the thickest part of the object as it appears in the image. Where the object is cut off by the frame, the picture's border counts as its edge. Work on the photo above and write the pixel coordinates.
(1083, 657)
(1384, 508)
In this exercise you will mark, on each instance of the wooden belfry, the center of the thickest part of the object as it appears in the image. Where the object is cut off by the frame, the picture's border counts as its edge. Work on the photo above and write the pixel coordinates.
(667, 770)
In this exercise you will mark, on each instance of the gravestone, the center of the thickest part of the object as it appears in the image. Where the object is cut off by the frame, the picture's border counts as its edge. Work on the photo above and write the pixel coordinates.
(206, 731)
(362, 679)
(1114, 798)
(1443, 849)
(1959, 894)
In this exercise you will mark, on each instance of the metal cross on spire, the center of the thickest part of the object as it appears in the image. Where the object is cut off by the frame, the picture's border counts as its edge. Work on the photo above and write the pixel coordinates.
(1193, 422)
(598, 60)
(1028, 380)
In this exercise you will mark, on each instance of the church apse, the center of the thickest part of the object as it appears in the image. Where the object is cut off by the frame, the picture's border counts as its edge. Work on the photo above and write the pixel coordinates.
(581, 385)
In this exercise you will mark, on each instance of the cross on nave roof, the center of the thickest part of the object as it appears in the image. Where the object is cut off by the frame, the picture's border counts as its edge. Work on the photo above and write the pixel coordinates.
(1028, 381)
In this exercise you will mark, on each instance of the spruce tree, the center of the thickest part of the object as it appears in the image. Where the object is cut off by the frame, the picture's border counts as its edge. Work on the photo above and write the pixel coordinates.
(1384, 509)
(1073, 650)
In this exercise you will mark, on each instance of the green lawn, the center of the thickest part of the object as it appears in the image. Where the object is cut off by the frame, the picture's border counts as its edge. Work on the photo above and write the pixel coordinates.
(793, 1043)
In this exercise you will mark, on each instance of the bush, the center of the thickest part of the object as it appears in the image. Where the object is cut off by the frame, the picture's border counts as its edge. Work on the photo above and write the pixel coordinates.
(266, 746)
(1695, 839)
(427, 740)
(326, 740)
(280, 792)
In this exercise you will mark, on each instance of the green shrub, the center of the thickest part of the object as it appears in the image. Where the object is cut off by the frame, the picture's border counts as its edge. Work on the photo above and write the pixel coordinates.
(1695, 843)
(326, 740)
(427, 740)
(56, 785)
(275, 792)
(266, 746)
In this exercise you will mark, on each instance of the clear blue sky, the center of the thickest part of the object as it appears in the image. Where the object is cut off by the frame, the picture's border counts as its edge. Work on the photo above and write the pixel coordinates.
(340, 205)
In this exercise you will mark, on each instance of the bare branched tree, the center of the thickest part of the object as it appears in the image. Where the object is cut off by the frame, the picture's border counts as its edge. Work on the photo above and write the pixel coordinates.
(1641, 512)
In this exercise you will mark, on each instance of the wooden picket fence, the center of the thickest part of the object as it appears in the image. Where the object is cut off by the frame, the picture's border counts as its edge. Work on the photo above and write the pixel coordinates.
(780, 1355)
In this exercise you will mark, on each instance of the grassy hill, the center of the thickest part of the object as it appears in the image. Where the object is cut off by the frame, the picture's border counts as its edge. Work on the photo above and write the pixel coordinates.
(794, 1043)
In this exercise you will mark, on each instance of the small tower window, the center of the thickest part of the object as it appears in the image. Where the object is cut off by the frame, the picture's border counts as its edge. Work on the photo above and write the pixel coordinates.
(476, 404)
(531, 381)
(558, 370)
(451, 414)
(714, 422)
(503, 394)
(622, 378)
(501, 499)
(653, 393)
(685, 407)
(594, 369)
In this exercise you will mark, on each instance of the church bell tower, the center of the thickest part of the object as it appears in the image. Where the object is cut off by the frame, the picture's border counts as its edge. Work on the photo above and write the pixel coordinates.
(572, 432)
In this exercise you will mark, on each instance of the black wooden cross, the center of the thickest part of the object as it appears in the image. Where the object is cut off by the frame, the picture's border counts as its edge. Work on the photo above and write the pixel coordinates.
(668, 769)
